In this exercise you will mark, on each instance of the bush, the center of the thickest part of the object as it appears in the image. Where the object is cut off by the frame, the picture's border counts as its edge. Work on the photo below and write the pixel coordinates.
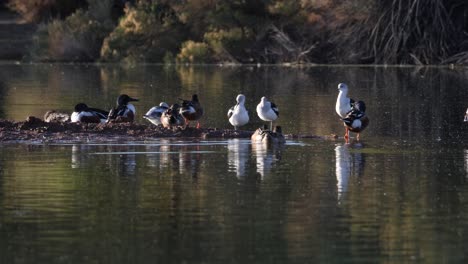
(194, 52)
(42, 10)
(228, 44)
(144, 34)
(77, 38)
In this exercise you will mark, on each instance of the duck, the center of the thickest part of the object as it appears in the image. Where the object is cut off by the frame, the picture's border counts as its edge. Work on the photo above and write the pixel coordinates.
(191, 110)
(154, 114)
(124, 112)
(268, 136)
(352, 113)
(172, 117)
(85, 114)
(238, 115)
(56, 116)
(267, 111)
(466, 116)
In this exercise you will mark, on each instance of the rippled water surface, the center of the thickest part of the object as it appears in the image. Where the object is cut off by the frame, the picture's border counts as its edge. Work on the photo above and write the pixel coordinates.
(399, 195)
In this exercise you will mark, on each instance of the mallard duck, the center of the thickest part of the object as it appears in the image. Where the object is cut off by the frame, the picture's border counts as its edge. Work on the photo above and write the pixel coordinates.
(353, 114)
(124, 112)
(267, 111)
(55, 116)
(85, 114)
(191, 110)
(268, 136)
(238, 115)
(172, 117)
(154, 114)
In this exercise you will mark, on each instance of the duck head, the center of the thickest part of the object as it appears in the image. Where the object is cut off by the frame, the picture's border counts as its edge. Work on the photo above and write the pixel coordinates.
(124, 99)
(81, 107)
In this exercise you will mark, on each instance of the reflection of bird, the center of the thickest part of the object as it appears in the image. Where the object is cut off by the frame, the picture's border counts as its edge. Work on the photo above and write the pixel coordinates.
(347, 163)
(466, 115)
(267, 111)
(238, 154)
(342, 169)
(266, 156)
(238, 115)
(55, 116)
(191, 110)
(154, 114)
(124, 112)
(85, 114)
(352, 113)
(171, 117)
(466, 162)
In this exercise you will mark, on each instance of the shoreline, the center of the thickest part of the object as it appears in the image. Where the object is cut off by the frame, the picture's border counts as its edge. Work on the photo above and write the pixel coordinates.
(35, 130)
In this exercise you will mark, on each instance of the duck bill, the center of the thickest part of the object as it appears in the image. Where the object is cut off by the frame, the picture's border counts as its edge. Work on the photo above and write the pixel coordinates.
(133, 100)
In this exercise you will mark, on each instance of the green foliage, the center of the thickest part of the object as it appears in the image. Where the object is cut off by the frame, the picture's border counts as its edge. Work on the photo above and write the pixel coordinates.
(144, 34)
(77, 38)
(194, 52)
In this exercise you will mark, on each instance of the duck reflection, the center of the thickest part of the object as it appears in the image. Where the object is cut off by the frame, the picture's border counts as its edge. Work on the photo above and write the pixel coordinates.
(79, 156)
(347, 164)
(466, 162)
(266, 156)
(178, 156)
(238, 155)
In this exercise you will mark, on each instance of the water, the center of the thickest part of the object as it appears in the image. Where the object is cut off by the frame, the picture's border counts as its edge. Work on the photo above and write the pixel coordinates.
(398, 195)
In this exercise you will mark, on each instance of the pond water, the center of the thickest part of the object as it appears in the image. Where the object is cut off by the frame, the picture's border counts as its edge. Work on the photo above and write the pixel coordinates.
(398, 195)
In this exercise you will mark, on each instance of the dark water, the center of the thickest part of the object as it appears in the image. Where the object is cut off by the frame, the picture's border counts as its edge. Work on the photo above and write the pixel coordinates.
(399, 195)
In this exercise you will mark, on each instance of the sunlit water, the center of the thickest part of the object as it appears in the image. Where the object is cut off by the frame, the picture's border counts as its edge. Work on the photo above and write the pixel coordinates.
(399, 195)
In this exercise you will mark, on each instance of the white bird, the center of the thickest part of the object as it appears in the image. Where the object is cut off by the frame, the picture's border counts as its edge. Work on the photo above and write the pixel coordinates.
(466, 115)
(352, 113)
(154, 114)
(238, 115)
(267, 111)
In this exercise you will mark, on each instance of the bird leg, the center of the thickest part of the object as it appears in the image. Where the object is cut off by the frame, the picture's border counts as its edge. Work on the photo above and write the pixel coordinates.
(346, 135)
(198, 125)
(357, 137)
(271, 125)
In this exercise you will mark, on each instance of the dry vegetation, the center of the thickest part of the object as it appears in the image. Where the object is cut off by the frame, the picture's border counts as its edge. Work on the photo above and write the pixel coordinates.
(265, 31)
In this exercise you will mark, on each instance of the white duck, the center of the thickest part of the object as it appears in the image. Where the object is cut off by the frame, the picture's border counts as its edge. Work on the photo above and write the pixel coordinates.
(466, 115)
(238, 115)
(154, 114)
(267, 111)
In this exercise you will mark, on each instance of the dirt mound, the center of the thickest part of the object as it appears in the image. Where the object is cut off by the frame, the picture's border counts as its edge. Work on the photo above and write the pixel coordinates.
(35, 129)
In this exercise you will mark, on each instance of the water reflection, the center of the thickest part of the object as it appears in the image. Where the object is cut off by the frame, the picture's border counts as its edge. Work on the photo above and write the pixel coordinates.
(347, 163)
(238, 156)
(79, 155)
(466, 162)
(266, 156)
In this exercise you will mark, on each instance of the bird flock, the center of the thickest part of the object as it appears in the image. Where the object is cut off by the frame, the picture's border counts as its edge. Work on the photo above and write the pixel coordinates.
(351, 113)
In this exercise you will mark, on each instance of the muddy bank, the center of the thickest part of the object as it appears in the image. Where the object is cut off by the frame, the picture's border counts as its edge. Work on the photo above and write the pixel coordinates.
(36, 130)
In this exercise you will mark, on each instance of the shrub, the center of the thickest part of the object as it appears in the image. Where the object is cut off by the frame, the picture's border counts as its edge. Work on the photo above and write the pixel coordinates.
(194, 52)
(42, 10)
(77, 38)
(144, 34)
